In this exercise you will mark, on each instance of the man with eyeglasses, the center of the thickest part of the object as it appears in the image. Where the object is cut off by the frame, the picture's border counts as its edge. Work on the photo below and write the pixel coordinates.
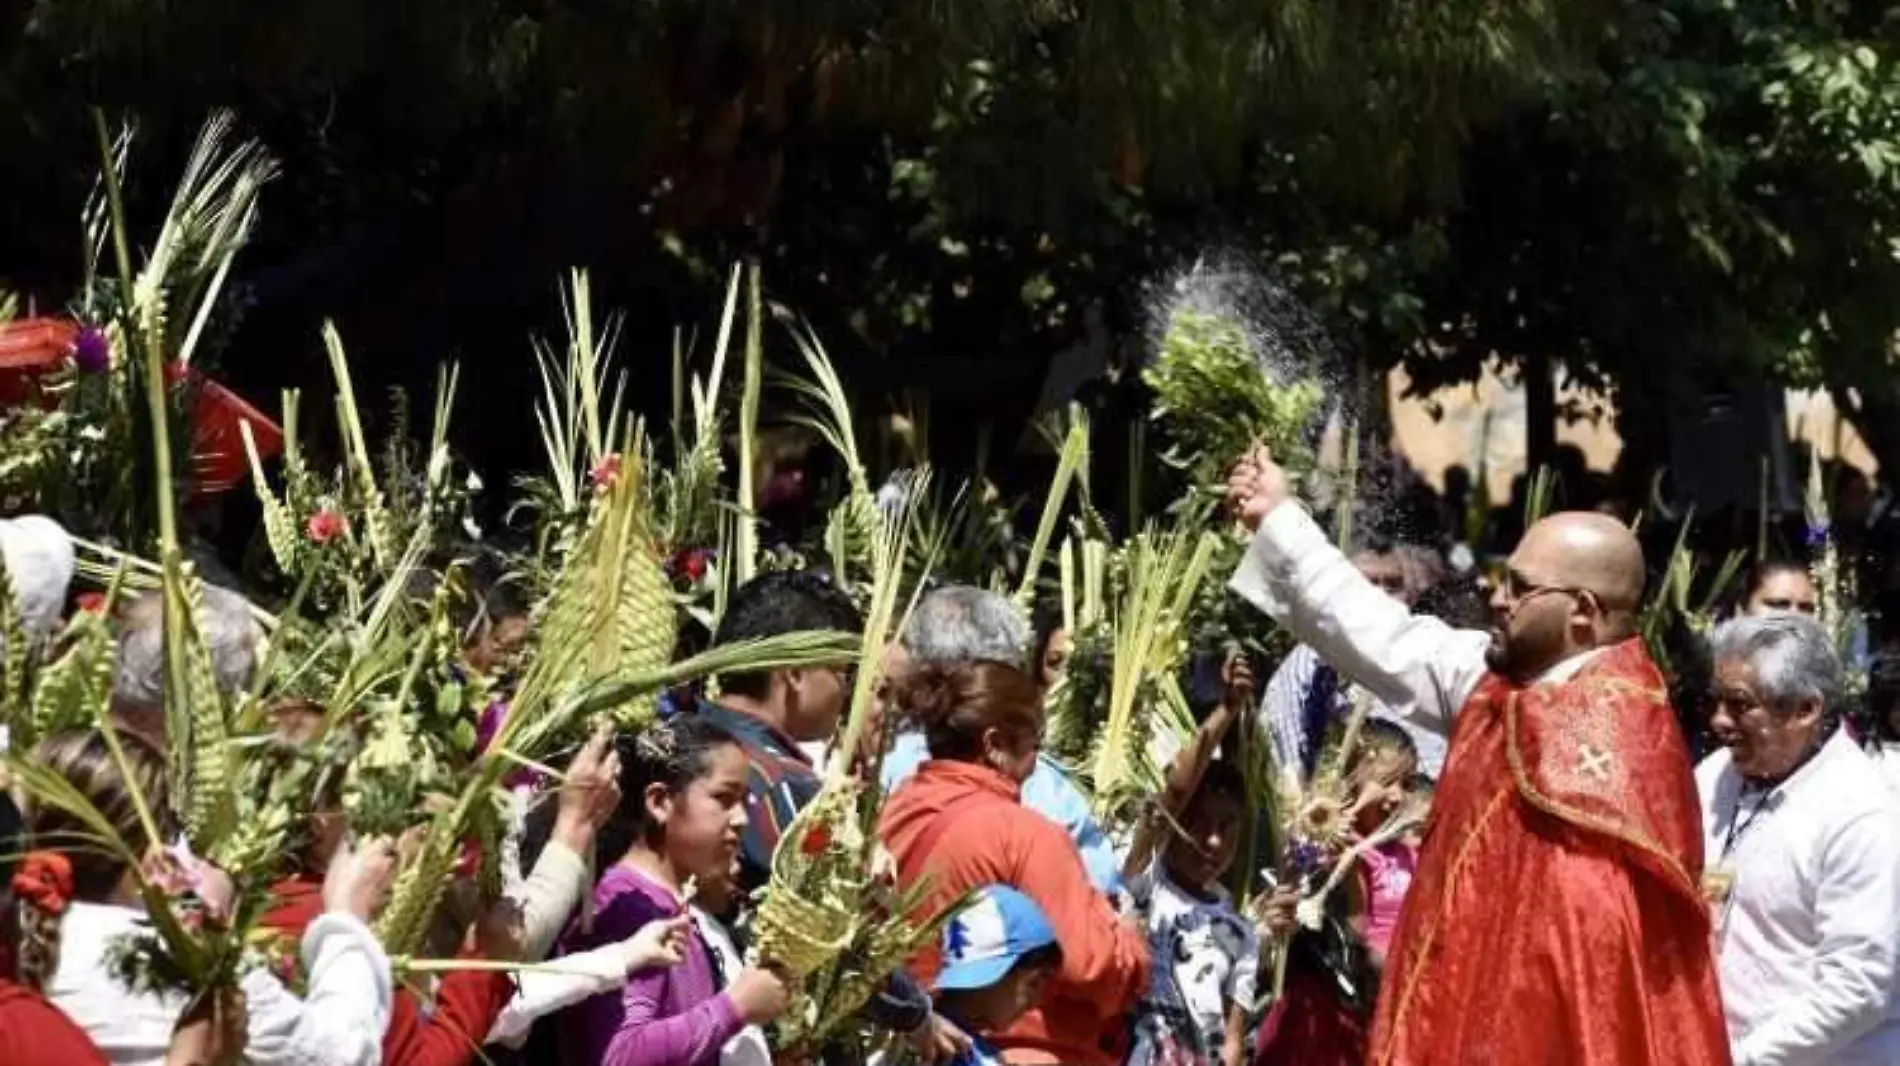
(1804, 879)
(1556, 914)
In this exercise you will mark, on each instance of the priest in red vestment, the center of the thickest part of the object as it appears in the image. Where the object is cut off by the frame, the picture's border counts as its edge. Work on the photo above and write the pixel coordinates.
(1556, 915)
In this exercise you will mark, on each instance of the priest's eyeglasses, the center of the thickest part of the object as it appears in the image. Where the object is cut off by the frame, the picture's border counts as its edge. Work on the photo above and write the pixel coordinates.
(1519, 590)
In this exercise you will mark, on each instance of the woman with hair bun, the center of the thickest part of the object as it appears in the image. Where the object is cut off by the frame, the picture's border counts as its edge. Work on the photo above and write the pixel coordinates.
(959, 823)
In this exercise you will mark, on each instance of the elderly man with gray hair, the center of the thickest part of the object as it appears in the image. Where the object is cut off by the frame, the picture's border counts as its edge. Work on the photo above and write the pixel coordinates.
(231, 635)
(961, 624)
(1802, 848)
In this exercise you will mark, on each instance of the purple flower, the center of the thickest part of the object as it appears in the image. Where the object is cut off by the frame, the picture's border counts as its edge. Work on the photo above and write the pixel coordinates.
(1818, 533)
(1307, 856)
(92, 351)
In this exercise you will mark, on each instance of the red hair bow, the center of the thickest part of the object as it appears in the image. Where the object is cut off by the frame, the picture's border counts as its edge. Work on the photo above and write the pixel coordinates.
(45, 879)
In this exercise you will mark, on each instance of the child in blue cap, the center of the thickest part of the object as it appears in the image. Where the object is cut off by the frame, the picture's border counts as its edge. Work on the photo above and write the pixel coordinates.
(997, 954)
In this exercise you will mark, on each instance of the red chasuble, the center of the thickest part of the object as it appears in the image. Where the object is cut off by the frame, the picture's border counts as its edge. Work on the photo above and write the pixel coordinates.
(1556, 916)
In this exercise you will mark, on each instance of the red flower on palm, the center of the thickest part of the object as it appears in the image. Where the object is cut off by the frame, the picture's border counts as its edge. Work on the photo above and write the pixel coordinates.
(325, 526)
(605, 473)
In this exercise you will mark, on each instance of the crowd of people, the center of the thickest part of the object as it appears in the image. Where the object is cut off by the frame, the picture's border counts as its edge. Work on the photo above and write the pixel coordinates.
(1582, 891)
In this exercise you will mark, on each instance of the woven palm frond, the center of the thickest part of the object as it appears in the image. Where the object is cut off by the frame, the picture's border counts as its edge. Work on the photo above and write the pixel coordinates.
(72, 690)
(203, 776)
(579, 410)
(210, 218)
(419, 889)
(281, 529)
(745, 539)
(688, 492)
(810, 913)
(851, 529)
(18, 651)
(381, 526)
(611, 607)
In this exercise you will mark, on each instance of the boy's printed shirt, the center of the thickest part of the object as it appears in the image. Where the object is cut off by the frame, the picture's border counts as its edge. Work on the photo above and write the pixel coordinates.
(1206, 957)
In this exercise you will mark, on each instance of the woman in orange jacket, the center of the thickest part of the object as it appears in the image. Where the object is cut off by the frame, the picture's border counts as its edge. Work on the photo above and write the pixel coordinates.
(959, 823)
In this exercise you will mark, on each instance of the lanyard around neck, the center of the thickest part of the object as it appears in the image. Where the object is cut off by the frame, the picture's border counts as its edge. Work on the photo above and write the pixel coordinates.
(1739, 826)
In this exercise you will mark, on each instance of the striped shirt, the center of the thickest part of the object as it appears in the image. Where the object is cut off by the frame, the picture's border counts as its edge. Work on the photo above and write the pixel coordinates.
(1305, 697)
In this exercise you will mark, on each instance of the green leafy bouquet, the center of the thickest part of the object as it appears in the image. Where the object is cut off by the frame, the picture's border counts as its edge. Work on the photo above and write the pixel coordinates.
(1215, 402)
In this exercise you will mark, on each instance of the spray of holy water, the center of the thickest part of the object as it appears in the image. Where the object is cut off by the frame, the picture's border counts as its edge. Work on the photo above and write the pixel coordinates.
(1237, 359)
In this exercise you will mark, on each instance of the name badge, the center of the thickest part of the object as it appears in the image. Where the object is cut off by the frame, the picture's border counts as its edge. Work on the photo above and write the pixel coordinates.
(1718, 888)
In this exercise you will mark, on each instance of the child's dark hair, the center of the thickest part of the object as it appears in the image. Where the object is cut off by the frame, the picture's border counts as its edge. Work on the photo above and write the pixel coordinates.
(1222, 779)
(1048, 956)
(673, 752)
(776, 603)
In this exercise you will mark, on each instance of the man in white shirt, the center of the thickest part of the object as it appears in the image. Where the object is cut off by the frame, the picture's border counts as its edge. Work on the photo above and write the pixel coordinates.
(1803, 845)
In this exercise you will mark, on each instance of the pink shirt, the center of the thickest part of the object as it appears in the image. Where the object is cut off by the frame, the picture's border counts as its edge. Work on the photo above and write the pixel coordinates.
(1389, 869)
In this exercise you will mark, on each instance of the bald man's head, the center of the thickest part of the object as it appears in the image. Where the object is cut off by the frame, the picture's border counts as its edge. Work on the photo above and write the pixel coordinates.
(1574, 583)
(1590, 551)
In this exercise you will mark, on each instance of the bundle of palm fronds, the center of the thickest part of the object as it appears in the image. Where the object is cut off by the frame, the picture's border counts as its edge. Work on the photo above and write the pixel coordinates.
(1120, 712)
(1316, 814)
(972, 529)
(687, 494)
(65, 683)
(334, 534)
(1408, 816)
(603, 638)
(851, 532)
(1216, 400)
(189, 946)
(1072, 460)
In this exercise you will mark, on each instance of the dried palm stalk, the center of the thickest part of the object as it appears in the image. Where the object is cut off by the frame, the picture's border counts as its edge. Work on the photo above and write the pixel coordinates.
(745, 546)
(580, 408)
(1073, 457)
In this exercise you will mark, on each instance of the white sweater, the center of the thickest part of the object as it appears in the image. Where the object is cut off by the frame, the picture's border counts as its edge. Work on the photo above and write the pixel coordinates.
(339, 1023)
